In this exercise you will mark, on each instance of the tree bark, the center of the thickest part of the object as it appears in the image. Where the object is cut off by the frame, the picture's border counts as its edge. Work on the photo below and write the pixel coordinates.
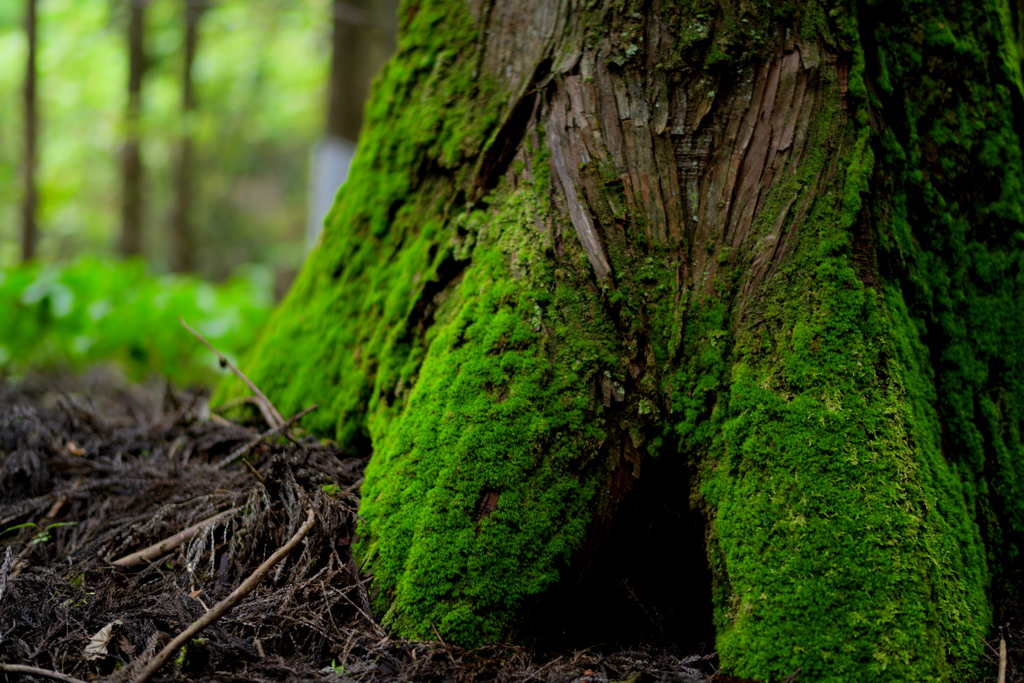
(595, 267)
(30, 202)
(131, 163)
(182, 247)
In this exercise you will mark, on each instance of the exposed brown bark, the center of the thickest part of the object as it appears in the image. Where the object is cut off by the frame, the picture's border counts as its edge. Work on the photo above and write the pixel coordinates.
(29, 229)
(181, 236)
(695, 157)
(695, 160)
(131, 162)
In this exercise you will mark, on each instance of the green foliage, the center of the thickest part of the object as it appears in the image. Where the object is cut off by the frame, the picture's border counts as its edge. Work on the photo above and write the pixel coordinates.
(260, 76)
(335, 668)
(94, 310)
(44, 535)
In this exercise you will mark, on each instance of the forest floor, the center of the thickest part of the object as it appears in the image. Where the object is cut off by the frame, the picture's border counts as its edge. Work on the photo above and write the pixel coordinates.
(94, 469)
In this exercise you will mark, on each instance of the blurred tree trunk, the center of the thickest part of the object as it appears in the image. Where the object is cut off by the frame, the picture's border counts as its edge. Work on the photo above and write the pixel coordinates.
(362, 38)
(182, 246)
(352, 47)
(131, 162)
(30, 202)
(752, 268)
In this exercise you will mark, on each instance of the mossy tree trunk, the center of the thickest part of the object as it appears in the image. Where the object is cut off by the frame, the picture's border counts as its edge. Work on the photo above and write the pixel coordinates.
(776, 251)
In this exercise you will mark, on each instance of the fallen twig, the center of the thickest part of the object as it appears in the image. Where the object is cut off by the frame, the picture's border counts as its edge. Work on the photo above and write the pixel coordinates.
(168, 544)
(537, 673)
(989, 646)
(259, 477)
(36, 671)
(447, 650)
(242, 450)
(224, 605)
(271, 415)
(1002, 661)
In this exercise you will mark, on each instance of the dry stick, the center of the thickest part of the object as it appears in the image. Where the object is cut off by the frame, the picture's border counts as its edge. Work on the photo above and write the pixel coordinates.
(224, 605)
(259, 477)
(168, 544)
(242, 450)
(536, 674)
(21, 669)
(354, 487)
(59, 503)
(438, 634)
(447, 650)
(988, 645)
(368, 618)
(1002, 661)
(276, 420)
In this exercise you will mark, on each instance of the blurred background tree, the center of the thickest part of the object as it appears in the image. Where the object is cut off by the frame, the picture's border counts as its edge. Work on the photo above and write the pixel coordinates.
(362, 38)
(185, 132)
(127, 158)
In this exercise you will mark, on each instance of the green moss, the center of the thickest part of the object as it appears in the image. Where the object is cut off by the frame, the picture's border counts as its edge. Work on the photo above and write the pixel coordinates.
(372, 272)
(839, 536)
(843, 539)
(483, 484)
(854, 438)
(957, 209)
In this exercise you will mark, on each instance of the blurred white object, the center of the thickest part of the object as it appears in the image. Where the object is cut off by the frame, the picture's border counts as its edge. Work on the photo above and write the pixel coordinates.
(331, 159)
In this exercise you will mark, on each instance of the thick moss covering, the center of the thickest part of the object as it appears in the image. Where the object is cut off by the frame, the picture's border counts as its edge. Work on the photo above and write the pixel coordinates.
(482, 486)
(472, 374)
(955, 174)
(845, 545)
(370, 274)
(852, 423)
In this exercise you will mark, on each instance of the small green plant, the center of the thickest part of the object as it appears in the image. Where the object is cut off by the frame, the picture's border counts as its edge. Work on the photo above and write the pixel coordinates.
(16, 527)
(43, 535)
(331, 489)
(335, 668)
